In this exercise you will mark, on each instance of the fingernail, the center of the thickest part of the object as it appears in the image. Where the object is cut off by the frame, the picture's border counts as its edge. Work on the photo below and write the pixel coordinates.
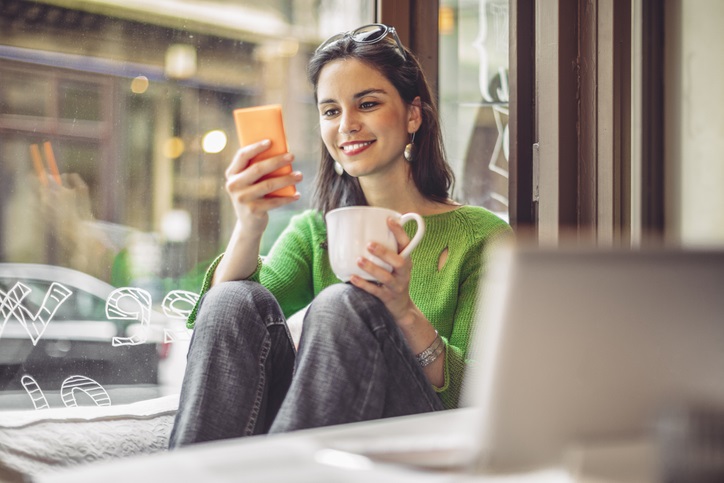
(266, 142)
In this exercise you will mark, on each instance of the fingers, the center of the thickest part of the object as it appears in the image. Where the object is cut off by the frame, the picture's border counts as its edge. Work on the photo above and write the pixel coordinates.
(247, 186)
(246, 181)
(377, 272)
(244, 155)
(260, 205)
(401, 266)
(373, 288)
(392, 288)
(400, 235)
(396, 279)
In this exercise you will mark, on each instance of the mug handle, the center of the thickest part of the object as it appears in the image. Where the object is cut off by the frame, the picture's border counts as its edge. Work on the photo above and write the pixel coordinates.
(418, 235)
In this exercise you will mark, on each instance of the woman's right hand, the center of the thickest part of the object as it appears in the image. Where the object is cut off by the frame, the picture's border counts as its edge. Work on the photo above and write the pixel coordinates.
(248, 191)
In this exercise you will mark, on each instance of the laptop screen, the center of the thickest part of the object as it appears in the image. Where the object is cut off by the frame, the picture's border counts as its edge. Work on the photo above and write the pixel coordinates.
(578, 346)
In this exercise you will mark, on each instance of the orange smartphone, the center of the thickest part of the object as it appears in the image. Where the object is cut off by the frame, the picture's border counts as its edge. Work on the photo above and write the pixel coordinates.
(254, 124)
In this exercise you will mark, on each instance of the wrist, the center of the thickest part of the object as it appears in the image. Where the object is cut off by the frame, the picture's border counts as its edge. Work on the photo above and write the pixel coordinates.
(412, 319)
(432, 352)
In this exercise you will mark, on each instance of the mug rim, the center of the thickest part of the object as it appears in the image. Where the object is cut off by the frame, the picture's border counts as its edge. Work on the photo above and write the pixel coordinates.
(364, 207)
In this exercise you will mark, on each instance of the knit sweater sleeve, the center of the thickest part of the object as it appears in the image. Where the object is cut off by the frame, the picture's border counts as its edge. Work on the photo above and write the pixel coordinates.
(286, 271)
(481, 232)
(456, 345)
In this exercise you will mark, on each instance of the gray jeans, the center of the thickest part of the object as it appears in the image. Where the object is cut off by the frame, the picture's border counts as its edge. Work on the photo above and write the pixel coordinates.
(243, 376)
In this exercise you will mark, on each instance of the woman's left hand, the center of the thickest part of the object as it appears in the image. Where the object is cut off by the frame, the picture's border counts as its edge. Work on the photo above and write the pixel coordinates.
(394, 291)
(393, 287)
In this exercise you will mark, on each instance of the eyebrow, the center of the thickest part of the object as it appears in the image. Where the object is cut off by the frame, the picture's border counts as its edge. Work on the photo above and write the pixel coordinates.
(360, 94)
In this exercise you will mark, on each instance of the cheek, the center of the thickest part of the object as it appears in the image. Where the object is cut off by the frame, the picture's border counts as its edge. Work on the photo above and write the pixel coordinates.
(394, 125)
(329, 138)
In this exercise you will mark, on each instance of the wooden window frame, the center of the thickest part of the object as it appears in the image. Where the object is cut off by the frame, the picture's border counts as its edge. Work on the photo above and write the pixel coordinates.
(571, 65)
(416, 22)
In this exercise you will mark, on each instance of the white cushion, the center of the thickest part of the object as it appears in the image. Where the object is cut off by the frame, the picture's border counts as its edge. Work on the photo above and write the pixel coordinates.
(295, 323)
(37, 441)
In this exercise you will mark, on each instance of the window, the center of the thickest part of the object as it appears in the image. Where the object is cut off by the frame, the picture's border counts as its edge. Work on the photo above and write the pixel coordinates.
(474, 97)
(100, 258)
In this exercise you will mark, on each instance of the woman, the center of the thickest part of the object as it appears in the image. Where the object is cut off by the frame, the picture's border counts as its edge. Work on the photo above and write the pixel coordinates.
(367, 350)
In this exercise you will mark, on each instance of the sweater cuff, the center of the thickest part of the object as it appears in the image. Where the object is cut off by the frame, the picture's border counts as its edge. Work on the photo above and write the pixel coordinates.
(255, 277)
(453, 364)
(446, 373)
(205, 286)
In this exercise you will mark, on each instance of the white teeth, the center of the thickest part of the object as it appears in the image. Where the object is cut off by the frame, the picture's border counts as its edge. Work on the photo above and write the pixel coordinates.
(355, 146)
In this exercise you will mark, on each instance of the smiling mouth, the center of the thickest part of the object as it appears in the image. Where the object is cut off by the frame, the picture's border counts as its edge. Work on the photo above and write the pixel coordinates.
(354, 147)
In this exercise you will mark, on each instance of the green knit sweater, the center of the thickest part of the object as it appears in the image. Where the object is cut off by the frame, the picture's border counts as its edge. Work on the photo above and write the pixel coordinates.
(297, 269)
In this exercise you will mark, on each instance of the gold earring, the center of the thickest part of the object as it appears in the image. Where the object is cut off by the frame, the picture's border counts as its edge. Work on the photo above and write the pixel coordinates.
(409, 154)
(338, 168)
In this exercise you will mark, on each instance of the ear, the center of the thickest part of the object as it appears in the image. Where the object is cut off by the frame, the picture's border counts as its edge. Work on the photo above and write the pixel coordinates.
(414, 119)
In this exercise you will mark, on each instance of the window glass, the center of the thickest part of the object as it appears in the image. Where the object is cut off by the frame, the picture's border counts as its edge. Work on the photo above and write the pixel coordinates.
(474, 98)
(115, 130)
(23, 96)
(79, 101)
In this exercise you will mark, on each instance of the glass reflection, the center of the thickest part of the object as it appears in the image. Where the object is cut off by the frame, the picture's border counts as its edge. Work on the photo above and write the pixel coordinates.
(135, 104)
(474, 98)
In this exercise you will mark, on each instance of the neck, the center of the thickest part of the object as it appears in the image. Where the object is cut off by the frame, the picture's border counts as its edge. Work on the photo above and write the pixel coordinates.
(391, 188)
(399, 193)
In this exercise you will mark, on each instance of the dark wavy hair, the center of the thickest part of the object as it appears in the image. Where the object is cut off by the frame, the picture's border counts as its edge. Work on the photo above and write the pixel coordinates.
(429, 171)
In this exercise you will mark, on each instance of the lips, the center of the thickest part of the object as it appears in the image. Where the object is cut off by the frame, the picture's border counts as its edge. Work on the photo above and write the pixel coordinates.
(355, 147)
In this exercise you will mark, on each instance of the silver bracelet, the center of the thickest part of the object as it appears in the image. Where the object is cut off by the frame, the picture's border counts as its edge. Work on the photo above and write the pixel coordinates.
(429, 355)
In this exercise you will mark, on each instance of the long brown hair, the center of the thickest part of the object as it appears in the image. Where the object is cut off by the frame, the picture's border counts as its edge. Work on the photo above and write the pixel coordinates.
(430, 171)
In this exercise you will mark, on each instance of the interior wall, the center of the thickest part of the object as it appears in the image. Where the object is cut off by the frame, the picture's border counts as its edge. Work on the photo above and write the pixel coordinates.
(694, 121)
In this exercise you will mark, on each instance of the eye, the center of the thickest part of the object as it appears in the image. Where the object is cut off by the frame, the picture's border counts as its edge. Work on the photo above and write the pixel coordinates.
(331, 112)
(369, 104)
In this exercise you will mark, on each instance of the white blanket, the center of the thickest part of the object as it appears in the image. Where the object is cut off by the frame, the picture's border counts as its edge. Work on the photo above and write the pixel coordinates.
(33, 442)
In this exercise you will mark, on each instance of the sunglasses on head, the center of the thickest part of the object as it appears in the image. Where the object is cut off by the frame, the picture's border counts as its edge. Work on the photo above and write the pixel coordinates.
(367, 34)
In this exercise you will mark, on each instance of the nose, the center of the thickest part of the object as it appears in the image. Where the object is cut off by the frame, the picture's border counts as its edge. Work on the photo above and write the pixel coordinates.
(349, 122)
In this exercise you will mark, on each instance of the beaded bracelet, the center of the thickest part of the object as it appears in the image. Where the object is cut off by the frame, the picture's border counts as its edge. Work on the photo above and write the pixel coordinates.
(429, 355)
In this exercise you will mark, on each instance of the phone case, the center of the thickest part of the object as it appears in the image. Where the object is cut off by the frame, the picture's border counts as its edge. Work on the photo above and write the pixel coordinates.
(254, 124)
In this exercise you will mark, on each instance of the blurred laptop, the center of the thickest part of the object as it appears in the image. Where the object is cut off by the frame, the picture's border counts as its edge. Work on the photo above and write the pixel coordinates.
(574, 346)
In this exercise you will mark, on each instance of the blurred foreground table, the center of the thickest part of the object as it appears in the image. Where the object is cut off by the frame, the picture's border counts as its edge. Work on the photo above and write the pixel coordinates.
(303, 456)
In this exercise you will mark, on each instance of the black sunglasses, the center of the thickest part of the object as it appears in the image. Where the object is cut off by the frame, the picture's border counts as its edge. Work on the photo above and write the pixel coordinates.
(367, 34)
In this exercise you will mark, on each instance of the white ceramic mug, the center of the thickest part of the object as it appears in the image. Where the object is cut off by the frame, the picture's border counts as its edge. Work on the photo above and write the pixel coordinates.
(350, 229)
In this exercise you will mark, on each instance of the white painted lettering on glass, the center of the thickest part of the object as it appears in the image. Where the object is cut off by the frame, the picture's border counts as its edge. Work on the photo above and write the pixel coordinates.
(68, 391)
(178, 304)
(36, 394)
(134, 298)
(11, 304)
(85, 385)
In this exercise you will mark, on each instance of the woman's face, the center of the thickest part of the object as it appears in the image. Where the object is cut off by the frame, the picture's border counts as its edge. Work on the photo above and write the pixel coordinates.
(364, 122)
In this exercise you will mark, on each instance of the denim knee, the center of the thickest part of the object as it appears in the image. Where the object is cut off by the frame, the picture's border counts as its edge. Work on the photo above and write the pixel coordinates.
(348, 305)
(223, 307)
(345, 296)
